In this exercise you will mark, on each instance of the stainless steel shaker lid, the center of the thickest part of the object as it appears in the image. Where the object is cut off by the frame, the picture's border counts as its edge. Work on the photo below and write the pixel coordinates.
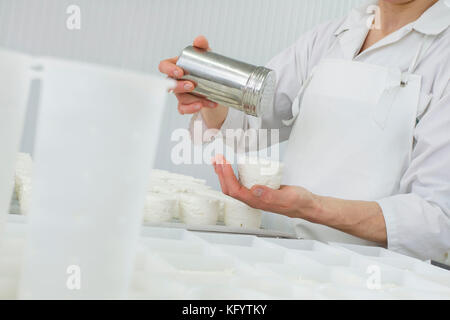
(267, 94)
(259, 92)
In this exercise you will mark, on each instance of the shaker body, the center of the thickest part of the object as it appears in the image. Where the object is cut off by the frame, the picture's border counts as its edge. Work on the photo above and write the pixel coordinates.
(227, 81)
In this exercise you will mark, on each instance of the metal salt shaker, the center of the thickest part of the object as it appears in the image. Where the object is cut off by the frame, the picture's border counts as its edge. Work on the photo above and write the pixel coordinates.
(229, 82)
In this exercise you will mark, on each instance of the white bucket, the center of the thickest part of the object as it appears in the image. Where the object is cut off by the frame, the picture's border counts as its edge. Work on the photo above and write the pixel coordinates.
(98, 130)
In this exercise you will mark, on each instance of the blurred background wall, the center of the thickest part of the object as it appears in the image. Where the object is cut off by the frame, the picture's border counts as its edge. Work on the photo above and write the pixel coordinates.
(137, 34)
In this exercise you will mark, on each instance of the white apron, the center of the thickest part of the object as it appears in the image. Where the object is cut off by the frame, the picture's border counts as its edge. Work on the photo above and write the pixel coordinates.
(353, 134)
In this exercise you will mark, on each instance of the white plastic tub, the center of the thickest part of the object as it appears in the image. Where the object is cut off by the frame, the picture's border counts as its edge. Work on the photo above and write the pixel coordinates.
(8, 288)
(96, 140)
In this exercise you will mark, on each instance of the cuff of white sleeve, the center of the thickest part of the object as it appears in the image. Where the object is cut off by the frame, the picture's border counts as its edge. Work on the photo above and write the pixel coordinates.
(391, 221)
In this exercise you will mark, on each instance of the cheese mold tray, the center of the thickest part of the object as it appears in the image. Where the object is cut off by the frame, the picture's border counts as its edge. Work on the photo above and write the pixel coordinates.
(174, 263)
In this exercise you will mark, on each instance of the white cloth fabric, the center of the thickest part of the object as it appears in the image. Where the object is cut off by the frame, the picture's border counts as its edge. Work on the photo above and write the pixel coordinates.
(418, 215)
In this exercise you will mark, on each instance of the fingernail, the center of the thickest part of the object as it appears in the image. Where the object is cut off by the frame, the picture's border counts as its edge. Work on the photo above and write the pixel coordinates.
(197, 107)
(258, 192)
(176, 73)
(188, 86)
(211, 104)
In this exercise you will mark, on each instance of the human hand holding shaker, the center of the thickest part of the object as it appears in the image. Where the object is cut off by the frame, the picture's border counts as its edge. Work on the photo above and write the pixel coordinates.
(217, 80)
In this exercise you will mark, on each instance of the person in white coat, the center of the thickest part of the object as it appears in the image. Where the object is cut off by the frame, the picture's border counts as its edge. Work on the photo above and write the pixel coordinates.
(364, 103)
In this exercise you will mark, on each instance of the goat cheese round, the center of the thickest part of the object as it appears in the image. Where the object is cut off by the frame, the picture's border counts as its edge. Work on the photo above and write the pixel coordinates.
(199, 209)
(259, 171)
(175, 185)
(216, 195)
(238, 214)
(160, 207)
(157, 174)
(23, 185)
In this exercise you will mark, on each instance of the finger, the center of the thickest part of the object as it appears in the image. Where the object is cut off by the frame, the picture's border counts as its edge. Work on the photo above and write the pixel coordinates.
(231, 184)
(235, 189)
(219, 159)
(183, 87)
(186, 98)
(209, 104)
(217, 162)
(201, 42)
(189, 108)
(170, 68)
(219, 172)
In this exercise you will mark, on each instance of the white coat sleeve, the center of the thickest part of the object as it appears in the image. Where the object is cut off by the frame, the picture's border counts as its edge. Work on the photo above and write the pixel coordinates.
(418, 221)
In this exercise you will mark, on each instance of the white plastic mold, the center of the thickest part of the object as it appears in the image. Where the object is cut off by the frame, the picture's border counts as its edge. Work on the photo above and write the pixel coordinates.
(168, 233)
(200, 263)
(173, 246)
(254, 255)
(325, 258)
(157, 286)
(300, 244)
(227, 292)
(274, 286)
(374, 252)
(232, 239)
(309, 273)
(339, 292)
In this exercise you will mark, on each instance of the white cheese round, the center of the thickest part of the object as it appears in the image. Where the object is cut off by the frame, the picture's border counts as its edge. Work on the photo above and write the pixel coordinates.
(216, 195)
(187, 186)
(157, 174)
(238, 214)
(259, 171)
(24, 195)
(175, 185)
(199, 209)
(160, 207)
(23, 186)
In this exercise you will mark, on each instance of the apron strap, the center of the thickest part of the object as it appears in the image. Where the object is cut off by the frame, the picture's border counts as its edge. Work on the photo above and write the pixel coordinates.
(396, 81)
(421, 51)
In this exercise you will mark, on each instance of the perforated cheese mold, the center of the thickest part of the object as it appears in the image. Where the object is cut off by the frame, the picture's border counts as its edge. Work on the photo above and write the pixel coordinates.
(180, 264)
